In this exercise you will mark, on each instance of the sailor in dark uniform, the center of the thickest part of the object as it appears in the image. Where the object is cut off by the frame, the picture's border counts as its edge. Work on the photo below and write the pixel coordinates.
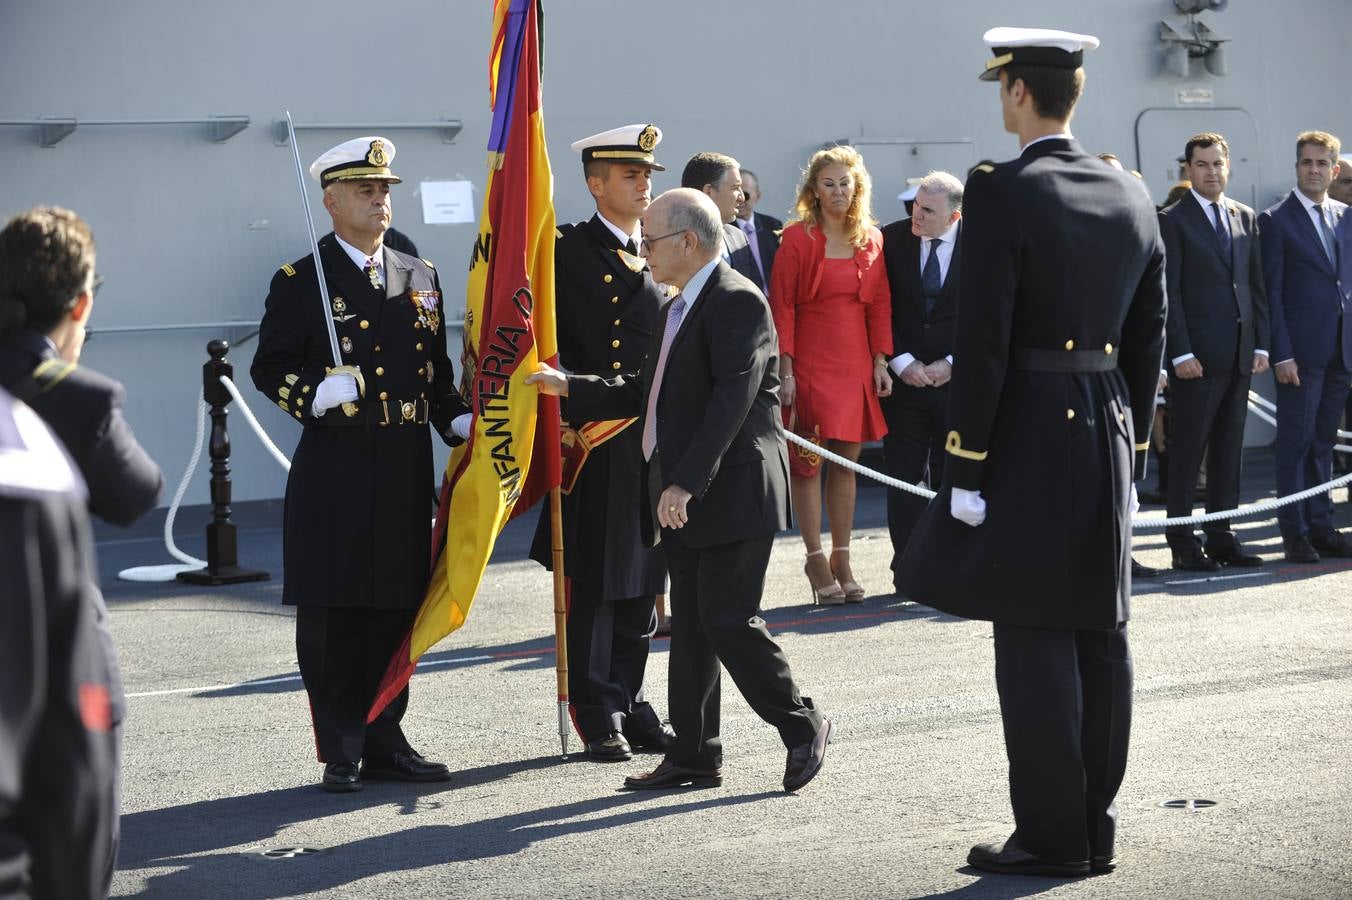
(607, 307)
(57, 764)
(356, 545)
(1059, 341)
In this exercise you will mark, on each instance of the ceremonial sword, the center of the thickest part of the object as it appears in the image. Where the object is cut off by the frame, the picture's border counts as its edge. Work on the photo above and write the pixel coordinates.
(349, 409)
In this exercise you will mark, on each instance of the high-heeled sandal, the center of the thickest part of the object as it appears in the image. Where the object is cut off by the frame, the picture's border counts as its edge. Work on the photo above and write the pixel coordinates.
(854, 593)
(825, 591)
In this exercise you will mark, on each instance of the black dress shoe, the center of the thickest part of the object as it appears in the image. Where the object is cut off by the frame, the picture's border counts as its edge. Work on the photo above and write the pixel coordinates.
(1234, 555)
(1011, 859)
(1192, 559)
(407, 765)
(654, 740)
(1298, 549)
(805, 760)
(341, 778)
(1333, 544)
(610, 747)
(1139, 570)
(667, 775)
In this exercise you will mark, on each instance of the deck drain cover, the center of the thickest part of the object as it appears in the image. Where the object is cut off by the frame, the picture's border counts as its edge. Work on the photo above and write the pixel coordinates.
(288, 852)
(1188, 804)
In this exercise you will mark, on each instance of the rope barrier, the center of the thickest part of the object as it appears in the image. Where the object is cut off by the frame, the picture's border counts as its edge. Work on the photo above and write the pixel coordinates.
(1138, 523)
(258, 429)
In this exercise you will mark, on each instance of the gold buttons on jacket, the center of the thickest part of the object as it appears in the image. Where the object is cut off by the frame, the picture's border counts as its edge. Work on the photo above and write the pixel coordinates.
(1108, 349)
(384, 395)
(364, 324)
(615, 365)
(380, 370)
(608, 278)
(417, 346)
(614, 299)
(1070, 414)
(1070, 345)
(616, 322)
(615, 344)
(422, 372)
(376, 348)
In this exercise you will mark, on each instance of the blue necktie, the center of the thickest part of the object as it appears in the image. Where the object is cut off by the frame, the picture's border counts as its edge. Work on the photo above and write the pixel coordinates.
(1326, 236)
(930, 282)
(1221, 231)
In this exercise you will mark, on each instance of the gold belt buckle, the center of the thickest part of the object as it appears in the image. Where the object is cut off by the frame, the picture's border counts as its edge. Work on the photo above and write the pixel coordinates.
(407, 410)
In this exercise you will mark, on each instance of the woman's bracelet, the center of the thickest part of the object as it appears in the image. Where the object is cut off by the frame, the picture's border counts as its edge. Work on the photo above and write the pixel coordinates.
(786, 378)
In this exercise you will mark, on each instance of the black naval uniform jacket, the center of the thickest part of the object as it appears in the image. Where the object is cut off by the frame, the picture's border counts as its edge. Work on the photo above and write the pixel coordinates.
(607, 314)
(1060, 335)
(359, 499)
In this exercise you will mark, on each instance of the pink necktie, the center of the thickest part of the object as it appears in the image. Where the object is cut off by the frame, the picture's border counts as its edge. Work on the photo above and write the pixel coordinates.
(674, 313)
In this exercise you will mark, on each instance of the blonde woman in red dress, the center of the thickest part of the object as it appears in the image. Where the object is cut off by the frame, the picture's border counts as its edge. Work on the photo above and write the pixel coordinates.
(833, 310)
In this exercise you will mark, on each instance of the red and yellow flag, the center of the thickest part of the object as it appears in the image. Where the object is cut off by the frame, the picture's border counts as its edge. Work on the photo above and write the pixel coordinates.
(512, 457)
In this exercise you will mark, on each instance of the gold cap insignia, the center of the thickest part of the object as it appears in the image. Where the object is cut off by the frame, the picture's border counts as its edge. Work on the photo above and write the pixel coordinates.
(377, 155)
(647, 139)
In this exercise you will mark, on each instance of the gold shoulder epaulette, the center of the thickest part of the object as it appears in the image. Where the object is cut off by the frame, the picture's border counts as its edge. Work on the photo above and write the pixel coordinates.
(289, 269)
(954, 445)
(984, 167)
(428, 263)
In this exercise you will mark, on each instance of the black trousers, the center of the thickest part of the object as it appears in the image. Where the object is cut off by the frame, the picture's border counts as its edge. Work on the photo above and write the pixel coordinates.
(608, 643)
(343, 653)
(1065, 698)
(1207, 416)
(917, 419)
(715, 618)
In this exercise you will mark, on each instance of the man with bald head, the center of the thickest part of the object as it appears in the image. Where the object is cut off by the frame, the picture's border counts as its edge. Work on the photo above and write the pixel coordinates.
(716, 472)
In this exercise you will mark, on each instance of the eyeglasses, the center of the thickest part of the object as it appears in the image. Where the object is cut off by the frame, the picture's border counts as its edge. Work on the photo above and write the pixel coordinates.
(646, 245)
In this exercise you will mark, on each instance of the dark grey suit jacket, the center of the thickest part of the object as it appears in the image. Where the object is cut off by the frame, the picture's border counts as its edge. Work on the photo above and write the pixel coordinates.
(739, 252)
(1218, 309)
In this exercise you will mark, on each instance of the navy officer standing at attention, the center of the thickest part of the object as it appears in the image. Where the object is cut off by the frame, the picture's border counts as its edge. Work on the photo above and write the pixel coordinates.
(1059, 343)
(357, 533)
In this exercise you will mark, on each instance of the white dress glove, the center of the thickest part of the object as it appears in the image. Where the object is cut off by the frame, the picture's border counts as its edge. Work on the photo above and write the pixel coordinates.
(334, 390)
(461, 425)
(968, 507)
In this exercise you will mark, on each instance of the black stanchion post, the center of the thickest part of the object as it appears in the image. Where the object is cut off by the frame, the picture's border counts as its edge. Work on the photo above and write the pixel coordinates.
(222, 550)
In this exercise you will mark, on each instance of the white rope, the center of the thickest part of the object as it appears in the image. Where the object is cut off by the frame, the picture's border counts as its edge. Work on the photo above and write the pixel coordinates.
(1138, 523)
(258, 429)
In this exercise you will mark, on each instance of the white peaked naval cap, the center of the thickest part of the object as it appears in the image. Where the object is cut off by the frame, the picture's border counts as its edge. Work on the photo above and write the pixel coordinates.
(1034, 47)
(628, 143)
(360, 159)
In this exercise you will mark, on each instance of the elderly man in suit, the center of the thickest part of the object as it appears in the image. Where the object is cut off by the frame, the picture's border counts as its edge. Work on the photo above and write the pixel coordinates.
(720, 177)
(922, 257)
(1311, 344)
(1217, 340)
(1052, 403)
(716, 479)
(762, 231)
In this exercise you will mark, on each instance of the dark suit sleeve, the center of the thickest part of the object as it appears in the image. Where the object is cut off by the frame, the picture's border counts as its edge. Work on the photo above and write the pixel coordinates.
(279, 367)
(1178, 343)
(1143, 348)
(592, 398)
(1270, 240)
(124, 482)
(989, 274)
(1262, 323)
(741, 345)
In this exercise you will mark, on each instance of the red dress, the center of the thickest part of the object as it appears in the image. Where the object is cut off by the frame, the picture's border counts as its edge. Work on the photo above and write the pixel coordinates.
(832, 316)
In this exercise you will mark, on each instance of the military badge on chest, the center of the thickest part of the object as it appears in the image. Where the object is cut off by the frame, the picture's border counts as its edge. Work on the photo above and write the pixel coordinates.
(426, 305)
(340, 313)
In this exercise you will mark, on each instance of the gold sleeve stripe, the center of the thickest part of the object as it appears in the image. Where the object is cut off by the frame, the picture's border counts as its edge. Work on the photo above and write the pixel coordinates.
(954, 445)
(284, 393)
(289, 270)
(292, 379)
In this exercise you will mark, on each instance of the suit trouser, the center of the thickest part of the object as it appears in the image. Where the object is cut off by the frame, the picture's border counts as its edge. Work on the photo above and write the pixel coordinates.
(715, 618)
(1065, 698)
(1208, 416)
(343, 653)
(1307, 428)
(917, 419)
(608, 642)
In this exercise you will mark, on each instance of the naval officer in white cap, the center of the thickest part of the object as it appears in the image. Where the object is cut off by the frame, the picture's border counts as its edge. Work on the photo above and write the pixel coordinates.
(1060, 342)
(359, 496)
(607, 306)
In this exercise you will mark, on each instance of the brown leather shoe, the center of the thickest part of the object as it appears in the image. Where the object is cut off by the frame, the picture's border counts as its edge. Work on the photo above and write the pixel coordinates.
(1011, 859)
(805, 760)
(667, 775)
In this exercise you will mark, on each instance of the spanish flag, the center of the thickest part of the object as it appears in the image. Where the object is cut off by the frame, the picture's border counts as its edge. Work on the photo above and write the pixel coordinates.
(511, 459)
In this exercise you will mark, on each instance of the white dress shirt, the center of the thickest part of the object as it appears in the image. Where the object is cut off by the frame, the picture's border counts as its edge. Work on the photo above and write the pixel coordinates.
(359, 259)
(619, 232)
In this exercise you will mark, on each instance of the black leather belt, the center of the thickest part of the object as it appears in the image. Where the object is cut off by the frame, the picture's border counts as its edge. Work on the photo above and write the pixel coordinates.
(1035, 359)
(382, 412)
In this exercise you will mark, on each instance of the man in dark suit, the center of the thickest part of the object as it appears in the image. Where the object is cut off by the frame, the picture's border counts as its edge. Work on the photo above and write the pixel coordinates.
(607, 309)
(1311, 344)
(720, 177)
(716, 479)
(58, 801)
(357, 523)
(922, 255)
(1217, 341)
(762, 231)
(47, 288)
(1058, 350)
